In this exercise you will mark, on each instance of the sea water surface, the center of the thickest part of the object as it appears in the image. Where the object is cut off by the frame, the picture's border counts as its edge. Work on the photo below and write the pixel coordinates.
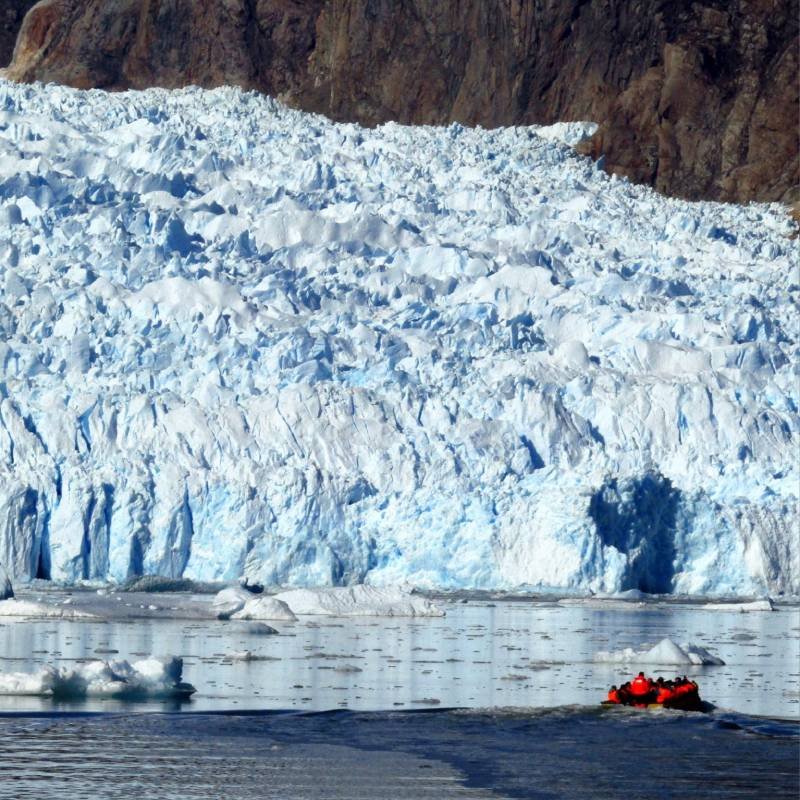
(482, 654)
(499, 699)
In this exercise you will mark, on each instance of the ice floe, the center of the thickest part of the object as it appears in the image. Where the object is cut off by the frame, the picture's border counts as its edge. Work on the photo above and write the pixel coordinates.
(230, 600)
(149, 678)
(265, 608)
(359, 601)
(31, 609)
(239, 340)
(666, 652)
(764, 604)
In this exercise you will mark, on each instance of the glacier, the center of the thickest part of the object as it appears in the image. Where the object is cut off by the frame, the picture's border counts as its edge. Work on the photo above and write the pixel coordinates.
(243, 341)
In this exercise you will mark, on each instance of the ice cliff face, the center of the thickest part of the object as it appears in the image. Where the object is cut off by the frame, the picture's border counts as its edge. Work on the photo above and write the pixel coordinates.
(238, 339)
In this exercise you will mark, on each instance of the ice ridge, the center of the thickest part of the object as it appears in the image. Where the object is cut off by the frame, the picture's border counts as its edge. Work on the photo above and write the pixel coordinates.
(236, 339)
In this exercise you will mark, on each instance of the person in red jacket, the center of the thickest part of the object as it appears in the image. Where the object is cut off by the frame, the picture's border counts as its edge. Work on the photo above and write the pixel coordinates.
(686, 687)
(665, 691)
(641, 686)
(613, 695)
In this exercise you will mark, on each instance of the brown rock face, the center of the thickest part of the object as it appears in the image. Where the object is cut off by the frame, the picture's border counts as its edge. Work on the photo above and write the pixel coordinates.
(12, 13)
(699, 99)
(718, 115)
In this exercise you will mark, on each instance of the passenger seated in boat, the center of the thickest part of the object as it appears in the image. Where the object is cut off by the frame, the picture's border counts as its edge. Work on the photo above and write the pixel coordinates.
(665, 691)
(641, 686)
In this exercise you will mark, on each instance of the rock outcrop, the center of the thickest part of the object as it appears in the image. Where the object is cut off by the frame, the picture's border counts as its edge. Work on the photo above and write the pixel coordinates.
(717, 115)
(698, 99)
(12, 12)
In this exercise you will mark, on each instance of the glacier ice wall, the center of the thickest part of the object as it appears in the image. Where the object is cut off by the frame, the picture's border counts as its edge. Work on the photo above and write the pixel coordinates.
(237, 339)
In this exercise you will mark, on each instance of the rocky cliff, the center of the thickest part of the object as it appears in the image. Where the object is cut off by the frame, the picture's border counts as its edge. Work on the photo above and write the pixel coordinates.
(12, 12)
(698, 99)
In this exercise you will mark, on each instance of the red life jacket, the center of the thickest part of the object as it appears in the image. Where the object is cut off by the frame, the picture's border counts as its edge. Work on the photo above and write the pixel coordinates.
(640, 686)
(666, 693)
(613, 696)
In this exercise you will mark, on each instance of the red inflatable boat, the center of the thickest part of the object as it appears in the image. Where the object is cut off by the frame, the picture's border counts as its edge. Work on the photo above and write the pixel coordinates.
(644, 692)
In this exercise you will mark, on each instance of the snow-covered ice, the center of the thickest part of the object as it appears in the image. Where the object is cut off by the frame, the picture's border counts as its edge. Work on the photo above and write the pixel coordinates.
(265, 608)
(239, 340)
(230, 600)
(666, 652)
(235, 602)
(148, 678)
(28, 609)
(764, 604)
(359, 601)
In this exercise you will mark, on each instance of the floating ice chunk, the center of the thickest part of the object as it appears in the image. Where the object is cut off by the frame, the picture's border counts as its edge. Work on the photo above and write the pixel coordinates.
(756, 605)
(602, 602)
(29, 608)
(152, 677)
(259, 629)
(359, 601)
(230, 600)
(666, 652)
(241, 655)
(6, 589)
(265, 608)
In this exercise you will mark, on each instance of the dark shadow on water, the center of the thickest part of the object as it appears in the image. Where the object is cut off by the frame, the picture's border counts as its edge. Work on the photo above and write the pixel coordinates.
(571, 751)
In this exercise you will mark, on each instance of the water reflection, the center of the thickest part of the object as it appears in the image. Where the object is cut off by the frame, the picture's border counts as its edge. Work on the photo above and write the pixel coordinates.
(528, 654)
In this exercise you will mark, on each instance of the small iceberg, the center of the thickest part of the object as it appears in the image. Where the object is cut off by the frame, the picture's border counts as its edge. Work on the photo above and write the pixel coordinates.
(230, 600)
(29, 609)
(756, 605)
(236, 602)
(265, 608)
(146, 679)
(666, 652)
(359, 601)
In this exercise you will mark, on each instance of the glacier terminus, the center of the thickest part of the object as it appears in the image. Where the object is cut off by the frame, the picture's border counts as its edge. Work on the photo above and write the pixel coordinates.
(239, 340)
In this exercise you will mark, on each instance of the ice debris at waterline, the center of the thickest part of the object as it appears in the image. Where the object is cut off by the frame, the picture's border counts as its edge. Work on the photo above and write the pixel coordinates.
(358, 601)
(666, 652)
(242, 340)
(28, 609)
(764, 604)
(149, 678)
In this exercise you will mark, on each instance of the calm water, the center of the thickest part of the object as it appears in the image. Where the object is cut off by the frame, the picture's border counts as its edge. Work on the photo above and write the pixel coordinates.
(481, 655)
(496, 700)
(561, 753)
